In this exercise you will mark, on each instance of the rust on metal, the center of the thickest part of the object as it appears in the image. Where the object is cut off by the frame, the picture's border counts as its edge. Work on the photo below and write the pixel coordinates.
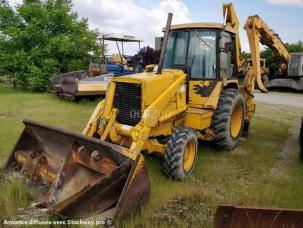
(239, 217)
(103, 165)
(79, 176)
(136, 189)
(70, 85)
(66, 82)
(35, 166)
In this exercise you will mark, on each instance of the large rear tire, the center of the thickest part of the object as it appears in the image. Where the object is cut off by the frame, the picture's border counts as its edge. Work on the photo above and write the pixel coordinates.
(228, 119)
(181, 153)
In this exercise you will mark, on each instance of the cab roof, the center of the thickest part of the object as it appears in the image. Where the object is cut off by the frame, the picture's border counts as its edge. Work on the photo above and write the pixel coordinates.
(201, 25)
(119, 37)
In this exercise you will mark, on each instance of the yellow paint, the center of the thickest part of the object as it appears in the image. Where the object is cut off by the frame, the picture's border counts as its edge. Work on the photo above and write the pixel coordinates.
(258, 31)
(198, 121)
(232, 22)
(189, 156)
(110, 123)
(164, 129)
(196, 100)
(212, 100)
(165, 107)
(91, 126)
(138, 167)
(96, 88)
(236, 121)
(150, 67)
(153, 145)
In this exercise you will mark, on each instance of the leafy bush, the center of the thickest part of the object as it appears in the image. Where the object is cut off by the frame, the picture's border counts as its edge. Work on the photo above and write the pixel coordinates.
(149, 55)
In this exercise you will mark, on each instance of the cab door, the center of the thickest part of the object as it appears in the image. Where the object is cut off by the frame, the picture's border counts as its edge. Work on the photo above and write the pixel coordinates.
(202, 59)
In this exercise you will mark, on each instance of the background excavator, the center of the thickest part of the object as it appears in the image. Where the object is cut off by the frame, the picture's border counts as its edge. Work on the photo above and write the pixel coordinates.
(290, 73)
(195, 94)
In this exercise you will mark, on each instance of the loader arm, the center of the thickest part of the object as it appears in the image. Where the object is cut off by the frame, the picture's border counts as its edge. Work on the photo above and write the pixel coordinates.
(105, 114)
(151, 115)
(259, 32)
(92, 124)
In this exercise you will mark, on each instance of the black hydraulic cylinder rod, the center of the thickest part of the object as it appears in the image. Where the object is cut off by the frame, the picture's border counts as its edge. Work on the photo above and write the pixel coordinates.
(164, 44)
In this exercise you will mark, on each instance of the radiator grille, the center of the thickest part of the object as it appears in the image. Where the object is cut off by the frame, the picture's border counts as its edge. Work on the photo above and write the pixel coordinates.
(128, 100)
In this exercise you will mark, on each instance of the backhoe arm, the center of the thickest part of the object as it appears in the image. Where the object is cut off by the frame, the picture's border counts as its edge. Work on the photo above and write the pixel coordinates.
(232, 21)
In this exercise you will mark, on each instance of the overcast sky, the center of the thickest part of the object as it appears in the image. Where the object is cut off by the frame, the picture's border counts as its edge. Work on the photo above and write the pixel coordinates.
(145, 18)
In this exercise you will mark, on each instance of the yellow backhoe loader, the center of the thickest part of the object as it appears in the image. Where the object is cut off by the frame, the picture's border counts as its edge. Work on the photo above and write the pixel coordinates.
(193, 95)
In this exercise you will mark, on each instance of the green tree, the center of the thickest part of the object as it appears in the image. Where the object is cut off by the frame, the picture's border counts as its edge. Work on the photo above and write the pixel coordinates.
(149, 55)
(297, 47)
(271, 62)
(40, 38)
(245, 55)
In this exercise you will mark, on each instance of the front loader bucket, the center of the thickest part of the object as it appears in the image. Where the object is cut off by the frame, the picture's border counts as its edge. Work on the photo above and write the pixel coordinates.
(238, 217)
(78, 176)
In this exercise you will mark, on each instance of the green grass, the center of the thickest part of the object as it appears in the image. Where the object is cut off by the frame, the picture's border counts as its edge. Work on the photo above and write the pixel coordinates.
(240, 177)
(17, 105)
(13, 195)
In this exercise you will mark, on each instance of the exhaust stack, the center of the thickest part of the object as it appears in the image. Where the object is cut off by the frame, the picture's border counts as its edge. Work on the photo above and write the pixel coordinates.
(164, 44)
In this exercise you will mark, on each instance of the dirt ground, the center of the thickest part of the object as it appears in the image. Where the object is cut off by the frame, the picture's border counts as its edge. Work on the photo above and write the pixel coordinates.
(280, 98)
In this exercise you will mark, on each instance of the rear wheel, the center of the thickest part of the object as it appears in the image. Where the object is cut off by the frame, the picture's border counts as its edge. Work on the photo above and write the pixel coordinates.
(181, 153)
(228, 119)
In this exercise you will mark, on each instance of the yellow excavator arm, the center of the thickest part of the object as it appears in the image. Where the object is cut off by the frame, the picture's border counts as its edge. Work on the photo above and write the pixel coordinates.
(231, 21)
(259, 32)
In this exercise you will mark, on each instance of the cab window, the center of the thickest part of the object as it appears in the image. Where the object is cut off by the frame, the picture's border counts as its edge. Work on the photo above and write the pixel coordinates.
(195, 48)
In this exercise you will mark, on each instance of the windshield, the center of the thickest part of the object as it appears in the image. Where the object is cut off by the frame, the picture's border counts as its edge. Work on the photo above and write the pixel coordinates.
(196, 48)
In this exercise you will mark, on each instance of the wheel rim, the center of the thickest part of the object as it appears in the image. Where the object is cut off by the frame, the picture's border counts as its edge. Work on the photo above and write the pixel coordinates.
(189, 156)
(236, 121)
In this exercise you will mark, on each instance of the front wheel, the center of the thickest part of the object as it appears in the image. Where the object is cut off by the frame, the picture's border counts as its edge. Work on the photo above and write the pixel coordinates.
(181, 153)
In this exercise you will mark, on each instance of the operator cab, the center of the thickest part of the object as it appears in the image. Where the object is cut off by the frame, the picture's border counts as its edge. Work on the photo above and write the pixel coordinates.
(207, 48)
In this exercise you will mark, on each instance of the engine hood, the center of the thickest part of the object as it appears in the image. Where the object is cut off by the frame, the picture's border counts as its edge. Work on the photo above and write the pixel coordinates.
(150, 77)
(152, 84)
